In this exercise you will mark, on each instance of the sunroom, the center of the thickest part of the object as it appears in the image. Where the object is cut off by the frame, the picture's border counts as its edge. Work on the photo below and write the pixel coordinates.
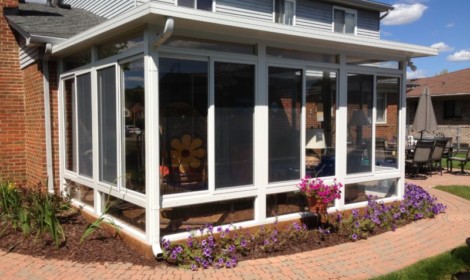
(173, 118)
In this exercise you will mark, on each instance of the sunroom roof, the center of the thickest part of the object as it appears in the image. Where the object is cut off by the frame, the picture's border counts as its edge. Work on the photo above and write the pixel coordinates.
(248, 29)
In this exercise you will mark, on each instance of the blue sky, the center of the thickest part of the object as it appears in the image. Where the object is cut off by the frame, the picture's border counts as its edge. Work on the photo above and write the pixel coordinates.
(439, 23)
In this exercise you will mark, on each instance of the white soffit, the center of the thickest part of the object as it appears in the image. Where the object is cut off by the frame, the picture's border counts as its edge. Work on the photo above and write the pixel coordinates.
(192, 19)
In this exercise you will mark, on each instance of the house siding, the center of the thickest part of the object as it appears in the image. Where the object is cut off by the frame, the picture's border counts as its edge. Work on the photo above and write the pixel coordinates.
(315, 15)
(261, 9)
(368, 24)
(104, 8)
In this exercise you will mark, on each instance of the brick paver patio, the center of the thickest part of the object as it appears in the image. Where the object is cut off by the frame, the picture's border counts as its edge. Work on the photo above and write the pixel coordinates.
(359, 260)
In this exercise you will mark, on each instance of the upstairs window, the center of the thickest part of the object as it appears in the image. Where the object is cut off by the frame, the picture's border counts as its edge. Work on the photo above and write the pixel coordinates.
(205, 5)
(284, 11)
(344, 21)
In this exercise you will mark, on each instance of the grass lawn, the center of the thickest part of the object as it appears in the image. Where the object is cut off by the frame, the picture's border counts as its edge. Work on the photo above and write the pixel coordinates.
(455, 164)
(443, 266)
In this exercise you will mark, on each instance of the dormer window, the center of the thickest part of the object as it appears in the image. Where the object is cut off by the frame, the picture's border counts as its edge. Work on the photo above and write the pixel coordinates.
(284, 11)
(344, 20)
(205, 5)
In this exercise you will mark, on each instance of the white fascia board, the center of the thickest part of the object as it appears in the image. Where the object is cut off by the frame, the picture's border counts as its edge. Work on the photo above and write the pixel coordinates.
(221, 23)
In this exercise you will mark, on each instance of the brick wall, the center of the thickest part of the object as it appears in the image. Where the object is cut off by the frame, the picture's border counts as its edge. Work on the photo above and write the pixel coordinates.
(12, 111)
(35, 144)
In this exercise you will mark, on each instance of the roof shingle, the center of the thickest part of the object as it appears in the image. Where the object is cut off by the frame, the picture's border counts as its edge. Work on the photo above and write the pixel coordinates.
(453, 83)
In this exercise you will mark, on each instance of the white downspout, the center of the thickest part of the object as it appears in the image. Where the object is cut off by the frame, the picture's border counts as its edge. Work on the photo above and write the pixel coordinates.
(47, 118)
(159, 40)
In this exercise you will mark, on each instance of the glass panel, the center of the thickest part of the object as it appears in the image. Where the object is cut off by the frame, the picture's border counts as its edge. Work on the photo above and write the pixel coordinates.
(289, 13)
(186, 3)
(119, 46)
(372, 62)
(301, 55)
(359, 192)
(205, 5)
(360, 101)
(70, 126)
(77, 60)
(127, 212)
(134, 125)
(285, 203)
(81, 193)
(350, 23)
(85, 149)
(183, 110)
(285, 101)
(107, 124)
(192, 43)
(234, 110)
(388, 96)
(320, 123)
(279, 11)
(339, 23)
(178, 219)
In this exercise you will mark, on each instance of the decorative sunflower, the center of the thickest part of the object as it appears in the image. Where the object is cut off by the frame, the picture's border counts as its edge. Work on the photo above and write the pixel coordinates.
(186, 153)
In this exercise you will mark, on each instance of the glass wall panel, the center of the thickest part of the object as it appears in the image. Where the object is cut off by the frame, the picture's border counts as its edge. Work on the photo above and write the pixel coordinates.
(77, 60)
(210, 45)
(386, 129)
(183, 111)
(301, 55)
(85, 149)
(107, 124)
(80, 193)
(127, 212)
(134, 125)
(359, 192)
(179, 219)
(119, 46)
(320, 130)
(359, 126)
(285, 102)
(234, 109)
(285, 203)
(70, 125)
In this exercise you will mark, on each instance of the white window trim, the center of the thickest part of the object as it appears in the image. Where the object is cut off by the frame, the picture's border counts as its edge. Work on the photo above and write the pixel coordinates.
(346, 10)
(195, 5)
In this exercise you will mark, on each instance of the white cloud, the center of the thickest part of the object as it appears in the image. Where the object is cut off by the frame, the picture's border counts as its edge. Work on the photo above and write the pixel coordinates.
(463, 55)
(442, 47)
(416, 74)
(450, 25)
(404, 14)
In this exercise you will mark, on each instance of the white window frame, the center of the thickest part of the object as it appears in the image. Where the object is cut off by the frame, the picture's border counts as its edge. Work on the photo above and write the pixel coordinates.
(345, 10)
(283, 16)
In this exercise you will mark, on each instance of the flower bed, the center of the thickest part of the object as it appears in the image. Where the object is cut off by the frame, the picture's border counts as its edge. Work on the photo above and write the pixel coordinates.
(219, 247)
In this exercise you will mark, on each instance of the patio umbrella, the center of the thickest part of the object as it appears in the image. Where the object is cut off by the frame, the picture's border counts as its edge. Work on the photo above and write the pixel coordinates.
(425, 120)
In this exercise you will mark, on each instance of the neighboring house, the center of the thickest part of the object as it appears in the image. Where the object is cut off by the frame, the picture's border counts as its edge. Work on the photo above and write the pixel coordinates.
(450, 95)
(237, 101)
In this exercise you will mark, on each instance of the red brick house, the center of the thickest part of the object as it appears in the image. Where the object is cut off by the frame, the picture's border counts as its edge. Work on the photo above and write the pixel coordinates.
(450, 94)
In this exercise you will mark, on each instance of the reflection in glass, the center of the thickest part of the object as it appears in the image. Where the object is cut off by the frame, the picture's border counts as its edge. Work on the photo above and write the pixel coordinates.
(359, 136)
(360, 191)
(285, 99)
(386, 129)
(178, 219)
(85, 149)
(70, 126)
(119, 46)
(234, 109)
(285, 203)
(127, 212)
(76, 60)
(134, 125)
(183, 92)
(320, 127)
(80, 193)
(107, 124)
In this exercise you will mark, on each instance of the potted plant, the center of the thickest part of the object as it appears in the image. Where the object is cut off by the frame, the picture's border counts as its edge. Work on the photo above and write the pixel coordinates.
(319, 194)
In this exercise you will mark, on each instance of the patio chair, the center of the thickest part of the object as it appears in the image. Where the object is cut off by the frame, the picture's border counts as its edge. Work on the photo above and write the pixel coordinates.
(462, 160)
(437, 153)
(421, 157)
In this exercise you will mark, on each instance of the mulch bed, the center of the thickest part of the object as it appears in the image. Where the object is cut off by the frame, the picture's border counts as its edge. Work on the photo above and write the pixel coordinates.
(102, 247)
